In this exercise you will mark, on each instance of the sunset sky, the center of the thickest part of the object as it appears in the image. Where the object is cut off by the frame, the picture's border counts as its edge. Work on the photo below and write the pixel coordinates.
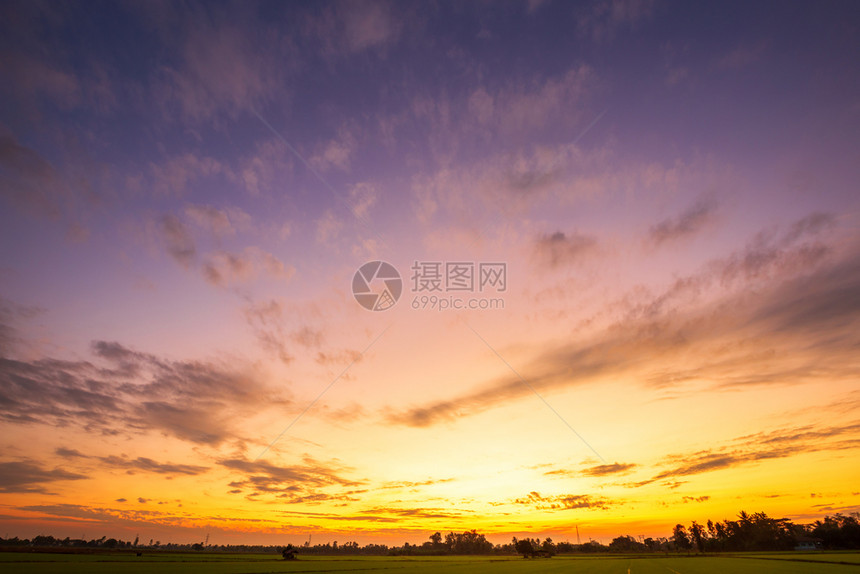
(187, 190)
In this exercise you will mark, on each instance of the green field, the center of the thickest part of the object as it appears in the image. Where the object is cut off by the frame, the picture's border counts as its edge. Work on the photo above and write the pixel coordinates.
(777, 563)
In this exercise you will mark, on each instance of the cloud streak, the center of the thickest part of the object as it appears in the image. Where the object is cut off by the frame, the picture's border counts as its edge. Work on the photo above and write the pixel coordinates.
(31, 477)
(800, 296)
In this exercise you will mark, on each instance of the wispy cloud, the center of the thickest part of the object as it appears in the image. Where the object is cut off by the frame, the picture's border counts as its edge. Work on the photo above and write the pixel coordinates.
(176, 174)
(687, 224)
(602, 20)
(764, 446)
(223, 268)
(219, 222)
(178, 240)
(222, 67)
(345, 29)
(219, 267)
(336, 153)
(279, 328)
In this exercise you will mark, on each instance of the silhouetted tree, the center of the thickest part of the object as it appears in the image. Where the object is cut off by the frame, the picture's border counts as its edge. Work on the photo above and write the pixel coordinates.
(680, 538)
(524, 547)
(626, 544)
(838, 531)
(548, 546)
(697, 536)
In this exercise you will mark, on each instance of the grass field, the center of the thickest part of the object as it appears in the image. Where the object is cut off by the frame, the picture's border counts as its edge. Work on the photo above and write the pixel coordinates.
(765, 563)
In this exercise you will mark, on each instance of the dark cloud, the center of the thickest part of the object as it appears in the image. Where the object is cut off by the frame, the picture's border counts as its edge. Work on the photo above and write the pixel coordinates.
(608, 469)
(113, 351)
(563, 501)
(54, 391)
(69, 453)
(705, 463)
(143, 464)
(185, 422)
(126, 361)
(686, 499)
(295, 483)
(561, 249)
(25, 476)
(135, 392)
(803, 305)
(689, 223)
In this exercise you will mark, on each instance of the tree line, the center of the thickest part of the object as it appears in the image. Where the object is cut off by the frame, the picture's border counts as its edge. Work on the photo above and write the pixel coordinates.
(758, 531)
(750, 532)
